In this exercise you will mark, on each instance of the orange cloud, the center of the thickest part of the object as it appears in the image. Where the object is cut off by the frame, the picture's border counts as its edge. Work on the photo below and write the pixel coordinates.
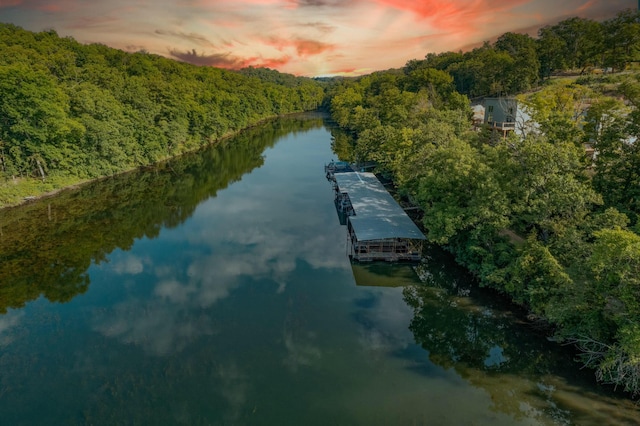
(311, 47)
(304, 47)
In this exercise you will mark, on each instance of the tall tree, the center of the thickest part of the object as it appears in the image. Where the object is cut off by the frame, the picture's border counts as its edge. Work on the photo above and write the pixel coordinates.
(550, 48)
(622, 39)
(583, 41)
(524, 70)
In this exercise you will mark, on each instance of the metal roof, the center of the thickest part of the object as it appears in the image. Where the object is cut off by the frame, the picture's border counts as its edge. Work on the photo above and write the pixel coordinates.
(378, 215)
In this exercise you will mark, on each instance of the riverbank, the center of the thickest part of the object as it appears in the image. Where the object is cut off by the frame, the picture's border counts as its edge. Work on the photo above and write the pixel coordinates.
(19, 191)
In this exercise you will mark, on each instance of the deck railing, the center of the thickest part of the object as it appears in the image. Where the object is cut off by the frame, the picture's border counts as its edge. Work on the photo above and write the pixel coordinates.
(502, 125)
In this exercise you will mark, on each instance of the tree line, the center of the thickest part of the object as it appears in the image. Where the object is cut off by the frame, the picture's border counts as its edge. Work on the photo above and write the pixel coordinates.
(530, 215)
(75, 112)
(518, 62)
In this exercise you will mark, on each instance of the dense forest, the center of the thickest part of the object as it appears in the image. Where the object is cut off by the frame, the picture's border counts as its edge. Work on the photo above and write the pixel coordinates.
(531, 215)
(71, 112)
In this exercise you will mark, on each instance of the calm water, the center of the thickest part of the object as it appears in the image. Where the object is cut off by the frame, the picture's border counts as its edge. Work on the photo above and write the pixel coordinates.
(215, 289)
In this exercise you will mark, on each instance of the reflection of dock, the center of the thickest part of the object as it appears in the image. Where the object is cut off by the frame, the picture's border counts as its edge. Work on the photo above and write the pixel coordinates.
(382, 274)
(378, 228)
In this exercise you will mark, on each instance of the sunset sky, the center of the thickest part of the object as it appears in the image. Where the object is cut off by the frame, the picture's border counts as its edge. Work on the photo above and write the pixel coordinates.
(302, 37)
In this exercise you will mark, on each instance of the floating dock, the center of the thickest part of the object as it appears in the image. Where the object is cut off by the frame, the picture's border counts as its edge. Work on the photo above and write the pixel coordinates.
(378, 228)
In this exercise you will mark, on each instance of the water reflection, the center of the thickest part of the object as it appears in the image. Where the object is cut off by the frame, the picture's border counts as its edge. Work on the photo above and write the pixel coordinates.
(47, 246)
(476, 334)
(8, 322)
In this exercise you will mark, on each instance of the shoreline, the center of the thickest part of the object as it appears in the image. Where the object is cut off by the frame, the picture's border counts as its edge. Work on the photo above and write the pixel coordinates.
(78, 184)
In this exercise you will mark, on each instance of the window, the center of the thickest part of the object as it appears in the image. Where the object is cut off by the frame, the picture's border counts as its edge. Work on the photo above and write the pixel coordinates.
(490, 108)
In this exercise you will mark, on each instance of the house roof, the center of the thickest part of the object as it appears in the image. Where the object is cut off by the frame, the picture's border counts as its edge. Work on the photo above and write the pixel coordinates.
(378, 216)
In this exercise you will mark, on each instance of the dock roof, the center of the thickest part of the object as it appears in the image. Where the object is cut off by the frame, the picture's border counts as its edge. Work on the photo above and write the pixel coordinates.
(378, 215)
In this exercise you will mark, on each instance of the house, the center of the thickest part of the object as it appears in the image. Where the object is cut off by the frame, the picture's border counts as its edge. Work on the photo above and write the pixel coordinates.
(505, 115)
(500, 114)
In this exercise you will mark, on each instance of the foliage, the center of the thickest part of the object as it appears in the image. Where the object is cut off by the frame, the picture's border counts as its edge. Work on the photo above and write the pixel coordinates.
(517, 63)
(560, 111)
(86, 111)
(531, 216)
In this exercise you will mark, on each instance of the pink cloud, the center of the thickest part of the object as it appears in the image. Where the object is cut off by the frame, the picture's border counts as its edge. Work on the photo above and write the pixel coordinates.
(462, 17)
(435, 8)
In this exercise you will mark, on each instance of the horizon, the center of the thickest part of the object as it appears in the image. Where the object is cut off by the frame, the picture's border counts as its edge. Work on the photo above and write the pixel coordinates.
(312, 38)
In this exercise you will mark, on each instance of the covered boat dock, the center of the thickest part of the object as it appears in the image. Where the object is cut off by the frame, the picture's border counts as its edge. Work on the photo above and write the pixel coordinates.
(378, 228)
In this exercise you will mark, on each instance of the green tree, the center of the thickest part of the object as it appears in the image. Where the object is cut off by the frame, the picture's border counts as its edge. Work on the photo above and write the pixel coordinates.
(460, 194)
(583, 42)
(524, 70)
(618, 160)
(35, 119)
(601, 311)
(548, 186)
(560, 112)
(550, 47)
(343, 104)
(621, 39)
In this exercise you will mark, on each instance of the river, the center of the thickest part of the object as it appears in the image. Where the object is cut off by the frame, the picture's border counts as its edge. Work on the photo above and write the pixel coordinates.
(215, 289)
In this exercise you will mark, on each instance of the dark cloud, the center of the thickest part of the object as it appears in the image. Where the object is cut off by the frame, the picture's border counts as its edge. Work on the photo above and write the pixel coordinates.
(227, 60)
(320, 26)
(323, 3)
(135, 48)
(221, 60)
